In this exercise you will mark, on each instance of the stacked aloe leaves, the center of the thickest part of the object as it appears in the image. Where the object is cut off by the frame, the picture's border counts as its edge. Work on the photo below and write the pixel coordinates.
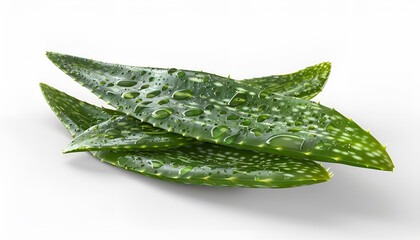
(198, 128)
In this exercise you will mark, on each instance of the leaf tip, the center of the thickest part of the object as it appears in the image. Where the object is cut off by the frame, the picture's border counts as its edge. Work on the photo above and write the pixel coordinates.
(67, 149)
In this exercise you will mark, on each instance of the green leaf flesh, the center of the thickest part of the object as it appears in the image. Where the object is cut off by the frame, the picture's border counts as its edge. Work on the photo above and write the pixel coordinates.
(200, 164)
(228, 112)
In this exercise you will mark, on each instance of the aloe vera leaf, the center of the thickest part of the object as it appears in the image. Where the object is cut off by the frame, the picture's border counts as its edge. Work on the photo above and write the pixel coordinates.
(76, 115)
(216, 165)
(231, 113)
(306, 83)
(126, 133)
(201, 164)
(85, 115)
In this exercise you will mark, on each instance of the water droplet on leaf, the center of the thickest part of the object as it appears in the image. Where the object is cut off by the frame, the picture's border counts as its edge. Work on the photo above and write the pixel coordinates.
(230, 139)
(156, 164)
(209, 107)
(232, 117)
(193, 112)
(181, 74)
(164, 101)
(237, 99)
(246, 123)
(153, 94)
(263, 94)
(330, 128)
(218, 131)
(185, 170)
(112, 133)
(141, 106)
(182, 94)
(130, 95)
(162, 113)
(124, 83)
(256, 132)
(262, 118)
(294, 129)
(286, 141)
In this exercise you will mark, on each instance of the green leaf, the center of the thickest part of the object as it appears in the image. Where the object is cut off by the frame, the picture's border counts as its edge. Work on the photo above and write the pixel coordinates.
(306, 83)
(202, 164)
(215, 165)
(75, 115)
(263, 121)
(81, 116)
(126, 133)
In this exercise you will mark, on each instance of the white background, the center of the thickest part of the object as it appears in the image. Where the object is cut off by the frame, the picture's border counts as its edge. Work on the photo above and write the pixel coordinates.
(374, 49)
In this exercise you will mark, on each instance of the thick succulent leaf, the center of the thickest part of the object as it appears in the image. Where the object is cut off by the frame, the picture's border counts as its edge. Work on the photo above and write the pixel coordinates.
(201, 164)
(84, 115)
(306, 83)
(126, 133)
(76, 115)
(215, 109)
(216, 165)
